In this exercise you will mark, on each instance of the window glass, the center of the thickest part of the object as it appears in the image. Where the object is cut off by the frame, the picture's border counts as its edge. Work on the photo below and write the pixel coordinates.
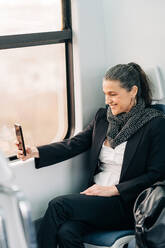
(33, 94)
(29, 16)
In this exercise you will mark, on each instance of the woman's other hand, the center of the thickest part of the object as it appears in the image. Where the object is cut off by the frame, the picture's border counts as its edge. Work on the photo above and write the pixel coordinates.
(31, 152)
(99, 190)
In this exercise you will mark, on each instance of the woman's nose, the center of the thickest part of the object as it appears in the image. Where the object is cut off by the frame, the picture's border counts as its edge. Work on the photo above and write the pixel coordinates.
(108, 100)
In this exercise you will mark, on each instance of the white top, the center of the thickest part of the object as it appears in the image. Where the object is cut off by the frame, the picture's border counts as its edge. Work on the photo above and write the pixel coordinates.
(110, 165)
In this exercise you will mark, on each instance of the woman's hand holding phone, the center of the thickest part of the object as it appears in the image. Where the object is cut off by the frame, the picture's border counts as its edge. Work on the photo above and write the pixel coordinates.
(23, 152)
(31, 152)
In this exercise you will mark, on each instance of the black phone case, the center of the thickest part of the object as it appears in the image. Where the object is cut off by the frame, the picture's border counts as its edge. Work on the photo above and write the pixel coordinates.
(21, 135)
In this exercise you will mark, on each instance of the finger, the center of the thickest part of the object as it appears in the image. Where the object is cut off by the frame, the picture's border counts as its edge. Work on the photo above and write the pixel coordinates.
(20, 152)
(90, 193)
(83, 192)
(20, 156)
(90, 188)
(24, 158)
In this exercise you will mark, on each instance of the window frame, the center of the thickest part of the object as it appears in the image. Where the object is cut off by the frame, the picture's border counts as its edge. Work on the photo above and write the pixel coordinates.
(47, 38)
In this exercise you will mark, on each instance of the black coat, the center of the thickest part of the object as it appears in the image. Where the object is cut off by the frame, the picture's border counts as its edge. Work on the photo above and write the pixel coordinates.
(144, 157)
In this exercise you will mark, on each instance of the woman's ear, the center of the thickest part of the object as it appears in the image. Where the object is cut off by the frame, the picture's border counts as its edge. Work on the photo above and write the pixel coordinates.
(134, 90)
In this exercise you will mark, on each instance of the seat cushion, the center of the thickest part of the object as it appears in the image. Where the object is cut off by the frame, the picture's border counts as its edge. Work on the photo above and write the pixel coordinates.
(132, 244)
(106, 238)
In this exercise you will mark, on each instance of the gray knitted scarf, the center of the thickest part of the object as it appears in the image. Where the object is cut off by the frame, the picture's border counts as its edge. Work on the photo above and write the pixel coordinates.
(123, 126)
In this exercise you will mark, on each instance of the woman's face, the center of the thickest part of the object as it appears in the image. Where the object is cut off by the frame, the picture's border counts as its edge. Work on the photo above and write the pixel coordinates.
(119, 99)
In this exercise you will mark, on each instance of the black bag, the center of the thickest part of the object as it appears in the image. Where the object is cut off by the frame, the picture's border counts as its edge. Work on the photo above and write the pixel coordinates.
(149, 213)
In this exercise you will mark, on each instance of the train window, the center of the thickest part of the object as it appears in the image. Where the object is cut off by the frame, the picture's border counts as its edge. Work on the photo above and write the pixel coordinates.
(33, 85)
(22, 16)
(36, 88)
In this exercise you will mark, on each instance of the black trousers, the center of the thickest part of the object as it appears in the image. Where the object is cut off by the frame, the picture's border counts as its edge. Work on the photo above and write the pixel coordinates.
(69, 217)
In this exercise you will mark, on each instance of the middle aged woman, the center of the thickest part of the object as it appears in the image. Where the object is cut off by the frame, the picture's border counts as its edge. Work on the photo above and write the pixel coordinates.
(126, 143)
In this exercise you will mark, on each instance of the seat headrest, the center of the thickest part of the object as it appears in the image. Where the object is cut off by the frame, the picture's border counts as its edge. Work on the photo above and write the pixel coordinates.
(156, 83)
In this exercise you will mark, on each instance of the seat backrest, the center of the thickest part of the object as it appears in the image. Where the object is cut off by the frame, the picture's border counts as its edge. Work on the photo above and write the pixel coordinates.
(156, 85)
(160, 107)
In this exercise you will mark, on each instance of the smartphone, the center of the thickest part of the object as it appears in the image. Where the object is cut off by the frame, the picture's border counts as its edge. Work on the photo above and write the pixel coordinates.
(19, 135)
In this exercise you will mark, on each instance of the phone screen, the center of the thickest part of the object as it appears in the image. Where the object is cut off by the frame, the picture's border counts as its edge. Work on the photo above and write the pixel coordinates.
(20, 139)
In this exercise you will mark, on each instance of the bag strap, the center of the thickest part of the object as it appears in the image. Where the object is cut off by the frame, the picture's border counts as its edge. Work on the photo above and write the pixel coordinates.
(138, 199)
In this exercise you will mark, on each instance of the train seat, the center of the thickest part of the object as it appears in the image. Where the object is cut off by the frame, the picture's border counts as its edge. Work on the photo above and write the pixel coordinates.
(113, 239)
